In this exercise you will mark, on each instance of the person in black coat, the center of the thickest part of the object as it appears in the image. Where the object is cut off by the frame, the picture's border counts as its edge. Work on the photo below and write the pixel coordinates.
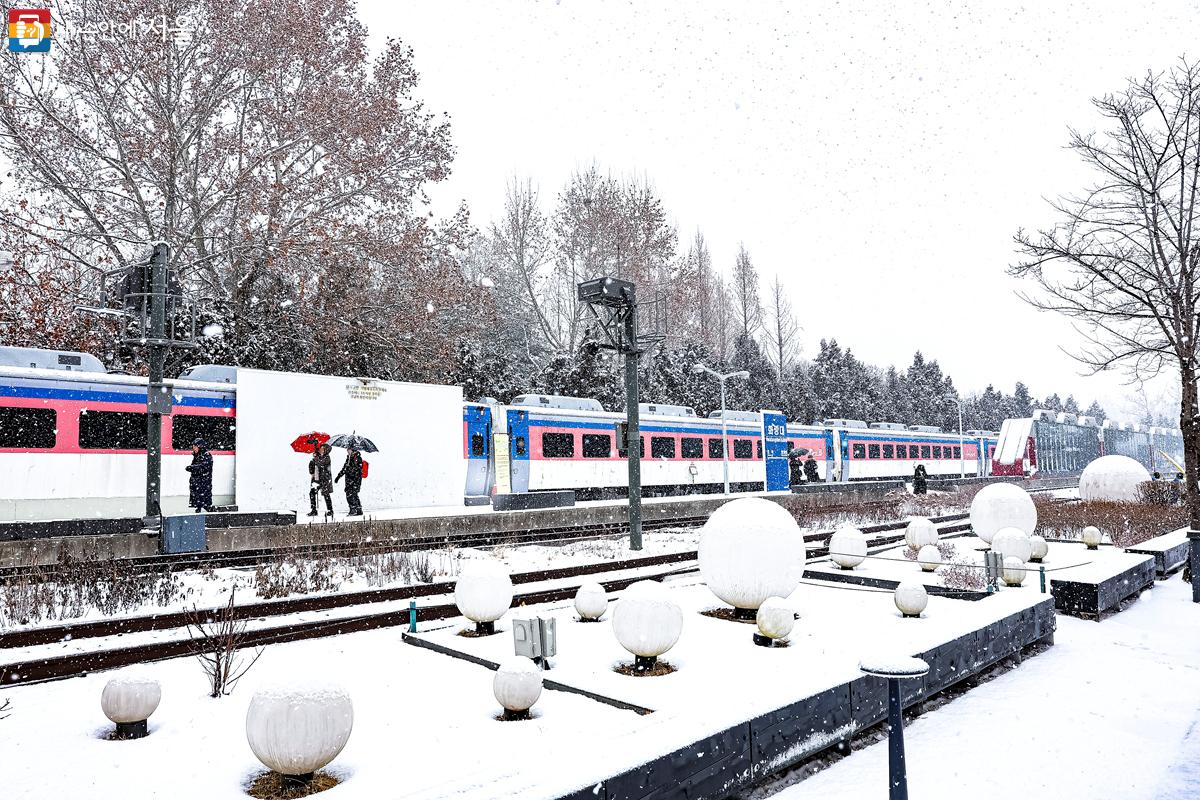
(200, 481)
(320, 473)
(919, 476)
(810, 470)
(352, 470)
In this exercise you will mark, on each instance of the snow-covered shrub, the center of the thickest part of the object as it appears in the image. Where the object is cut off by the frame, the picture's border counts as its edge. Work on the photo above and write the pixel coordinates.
(646, 620)
(1162, 493)
(297, 728)
(848, 547)
(775, 618)
(1002, 505)
(517, 685)
(964, 575)
(591, 601)
(751, 549)
(1125, 524)
(1114, 478)
(1013, 542)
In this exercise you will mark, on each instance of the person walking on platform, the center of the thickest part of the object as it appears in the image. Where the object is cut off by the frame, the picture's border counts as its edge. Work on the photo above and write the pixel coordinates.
(919, 480)
(320, 471)
(353, 471)
(810, 470)
(200, 481)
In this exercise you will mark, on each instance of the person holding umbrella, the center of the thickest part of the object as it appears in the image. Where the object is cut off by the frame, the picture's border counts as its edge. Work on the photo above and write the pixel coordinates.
(320, 471)
(200, 481)
(353, 471)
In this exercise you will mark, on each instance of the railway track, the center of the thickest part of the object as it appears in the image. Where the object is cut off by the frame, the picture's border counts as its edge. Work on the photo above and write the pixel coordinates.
(41, 669)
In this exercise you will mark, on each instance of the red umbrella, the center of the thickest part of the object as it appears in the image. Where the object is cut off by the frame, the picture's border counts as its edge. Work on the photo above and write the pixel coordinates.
(307, 442)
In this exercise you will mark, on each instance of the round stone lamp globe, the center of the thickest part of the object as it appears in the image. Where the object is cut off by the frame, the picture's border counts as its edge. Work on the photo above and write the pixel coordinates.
(297, 728)
(1038, 549)
(920, 532)
(911, 598)
(1013, 571)
(1013, 542)
(1113, 478)
(929, 558)
(128, 701)
(591, 601)
(999, 506)
(647, 622)
(517, 685)
(483, 592)
(775, 621)
(751, 549)
(1092, 537)
(848, 547)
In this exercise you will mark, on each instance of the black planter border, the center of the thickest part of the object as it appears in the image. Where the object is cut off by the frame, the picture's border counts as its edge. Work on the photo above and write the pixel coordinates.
(1092, 600)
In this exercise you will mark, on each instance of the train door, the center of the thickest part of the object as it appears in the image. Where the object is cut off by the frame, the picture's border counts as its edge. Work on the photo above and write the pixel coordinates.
(830, 456)
(844, 449)
(477, 423)
(518, 449)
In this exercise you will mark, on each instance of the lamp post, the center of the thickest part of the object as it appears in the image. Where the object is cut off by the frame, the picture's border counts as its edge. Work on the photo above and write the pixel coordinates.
(962, 450)
(699, 369)
(894, 669)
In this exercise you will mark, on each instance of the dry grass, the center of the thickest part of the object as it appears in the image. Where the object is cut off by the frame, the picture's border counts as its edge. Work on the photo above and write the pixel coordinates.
(727, 615)
(271, 786)
(660, 668)
(1125, 524)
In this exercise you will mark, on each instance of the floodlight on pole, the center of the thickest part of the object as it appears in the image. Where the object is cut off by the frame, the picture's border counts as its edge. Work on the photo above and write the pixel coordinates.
(962, 450)
(699, 369)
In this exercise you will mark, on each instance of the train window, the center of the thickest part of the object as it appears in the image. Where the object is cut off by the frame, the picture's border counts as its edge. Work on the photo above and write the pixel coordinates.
(858, 451)
(758, 448)
(889, 451)
(957, 452)
(662, 447)
(112, 430)
(558, 445)
(622, 450)
(716, 448)
(597, 445)
(477, 448)
(217, 432)
(743, 448)
(872, 451)
(901, 451)
(691, 447)
(937, 451)
(519, 445)
(924, 451)
(32, 428)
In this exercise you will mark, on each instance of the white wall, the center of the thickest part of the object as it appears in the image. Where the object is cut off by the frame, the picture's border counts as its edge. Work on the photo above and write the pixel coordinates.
(417, 427)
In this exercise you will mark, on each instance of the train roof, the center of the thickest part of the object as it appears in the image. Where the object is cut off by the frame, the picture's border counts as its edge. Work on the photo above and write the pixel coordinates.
(55, 360)
(557, 401)
(110, 378)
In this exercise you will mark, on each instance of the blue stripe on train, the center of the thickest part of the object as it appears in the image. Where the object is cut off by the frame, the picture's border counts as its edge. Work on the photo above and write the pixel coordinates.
(92, 396)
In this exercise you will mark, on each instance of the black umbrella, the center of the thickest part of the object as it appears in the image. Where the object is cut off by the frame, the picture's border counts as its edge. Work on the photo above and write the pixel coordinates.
(799, 451)
(353, 440)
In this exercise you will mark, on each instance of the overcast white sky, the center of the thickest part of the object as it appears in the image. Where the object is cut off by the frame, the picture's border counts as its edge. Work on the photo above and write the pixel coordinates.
(878, 158)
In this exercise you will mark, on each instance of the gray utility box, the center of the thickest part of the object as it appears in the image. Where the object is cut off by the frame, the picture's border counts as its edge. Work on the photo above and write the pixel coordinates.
(535, 638)
(183, 533)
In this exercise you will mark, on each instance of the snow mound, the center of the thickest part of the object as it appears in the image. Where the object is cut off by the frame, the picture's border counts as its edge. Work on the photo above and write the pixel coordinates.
(1114, 478)
(751, 549)
(999, 506)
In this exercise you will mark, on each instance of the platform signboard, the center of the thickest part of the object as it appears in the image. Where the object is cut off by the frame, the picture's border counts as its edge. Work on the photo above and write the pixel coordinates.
(775, 447)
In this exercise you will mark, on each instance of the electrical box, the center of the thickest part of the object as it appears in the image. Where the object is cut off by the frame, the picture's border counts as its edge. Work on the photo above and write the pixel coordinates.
(535, 638)
(183, 533)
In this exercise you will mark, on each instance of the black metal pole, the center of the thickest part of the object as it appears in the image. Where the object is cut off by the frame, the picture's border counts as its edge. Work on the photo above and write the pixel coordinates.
(1194, 562)
(634, 437)
(897, 777)
(155, 389)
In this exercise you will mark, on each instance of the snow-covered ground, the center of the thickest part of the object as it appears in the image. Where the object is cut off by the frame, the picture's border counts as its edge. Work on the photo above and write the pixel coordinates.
(1112, 711)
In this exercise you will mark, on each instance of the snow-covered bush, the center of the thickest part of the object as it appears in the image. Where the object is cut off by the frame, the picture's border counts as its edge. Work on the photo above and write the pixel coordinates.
(964, 575)
(1002, 505)
(591, 601)
(1115, 478)
(751, 549)
(483, 592)
(646, 620)
(775, 618)
(848, 547)
(1013, 542)
(911, 598)
(929, 558)
(297, 728)
(920, 532)
(517, 685)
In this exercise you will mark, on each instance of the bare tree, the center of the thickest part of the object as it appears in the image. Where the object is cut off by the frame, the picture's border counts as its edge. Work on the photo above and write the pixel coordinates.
(781, 329)
(723, 320)
(217, 644)
(522, 239)
(1123, 260)
(747, 305)
(5, 706)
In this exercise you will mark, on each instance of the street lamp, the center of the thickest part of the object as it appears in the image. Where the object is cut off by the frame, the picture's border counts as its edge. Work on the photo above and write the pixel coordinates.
(699, 369)
(962, 450)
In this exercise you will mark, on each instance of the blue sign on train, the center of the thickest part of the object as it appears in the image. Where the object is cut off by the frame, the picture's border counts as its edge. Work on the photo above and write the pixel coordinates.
(775, 451)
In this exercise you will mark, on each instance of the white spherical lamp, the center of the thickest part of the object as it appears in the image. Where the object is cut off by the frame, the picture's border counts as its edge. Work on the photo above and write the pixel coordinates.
(129, 701)
(775, 620)
(929, 558)
(483, 592)
(911, 598)
(1038, 549)
(751, 549)
(1113, 478)
(848, 547)
(920, 532)
(297, 728)
(1013, 542)
(647, 622)
(517, 685)
(1013, 571)
(999, 506)
(1092, 537)
(591, 601)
